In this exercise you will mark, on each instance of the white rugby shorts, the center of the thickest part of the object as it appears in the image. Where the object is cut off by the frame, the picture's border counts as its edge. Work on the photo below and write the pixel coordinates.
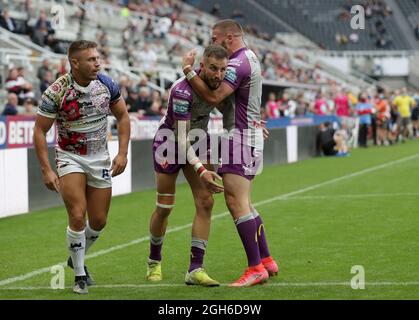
(96, 168)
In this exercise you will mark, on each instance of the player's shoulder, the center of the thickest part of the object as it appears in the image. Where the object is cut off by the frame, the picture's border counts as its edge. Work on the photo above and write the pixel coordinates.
(106, 80)
(58, 87)
(181, 89)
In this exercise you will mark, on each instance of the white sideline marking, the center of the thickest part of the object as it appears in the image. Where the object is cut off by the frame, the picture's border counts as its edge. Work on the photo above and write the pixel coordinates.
(277, 284)
(221, 215)
(353, 196)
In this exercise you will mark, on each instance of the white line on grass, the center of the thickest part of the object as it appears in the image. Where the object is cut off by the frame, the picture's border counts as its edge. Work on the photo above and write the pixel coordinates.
(276, 284)
(221, 215)
(353, 196)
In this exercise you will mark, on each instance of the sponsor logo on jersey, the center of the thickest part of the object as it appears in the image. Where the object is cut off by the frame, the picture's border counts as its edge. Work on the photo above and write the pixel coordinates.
(180, 106)
(182, 93)
(231, 74)
(236, 62)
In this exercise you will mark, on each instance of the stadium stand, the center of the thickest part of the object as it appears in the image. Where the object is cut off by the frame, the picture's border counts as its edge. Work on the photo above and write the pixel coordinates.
(326, 22)
(122, 38)
(410, 9)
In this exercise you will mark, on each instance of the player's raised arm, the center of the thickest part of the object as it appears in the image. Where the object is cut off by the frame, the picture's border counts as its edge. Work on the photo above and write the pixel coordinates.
(119, 110)
(213, 97)
(42, 126)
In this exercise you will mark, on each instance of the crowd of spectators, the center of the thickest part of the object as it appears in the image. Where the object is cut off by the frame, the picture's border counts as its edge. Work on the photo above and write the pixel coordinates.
(385, 116)
(376, 11)
(142, 100)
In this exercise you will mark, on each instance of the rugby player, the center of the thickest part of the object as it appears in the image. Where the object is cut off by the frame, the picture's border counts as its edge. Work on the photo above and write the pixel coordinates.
(79, 102)
(186, 111)
(242, 118)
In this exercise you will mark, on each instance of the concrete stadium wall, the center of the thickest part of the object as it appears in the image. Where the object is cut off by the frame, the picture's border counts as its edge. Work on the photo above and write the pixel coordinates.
(22, 189)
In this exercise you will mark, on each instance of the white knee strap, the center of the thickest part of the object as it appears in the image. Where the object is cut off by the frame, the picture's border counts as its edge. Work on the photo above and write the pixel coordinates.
(166, 194)
(165, 206)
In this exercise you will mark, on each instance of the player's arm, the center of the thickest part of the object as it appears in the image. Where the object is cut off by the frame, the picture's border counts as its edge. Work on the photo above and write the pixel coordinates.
(208, 177)
(213, 97)
(42, 126)
(119, 110)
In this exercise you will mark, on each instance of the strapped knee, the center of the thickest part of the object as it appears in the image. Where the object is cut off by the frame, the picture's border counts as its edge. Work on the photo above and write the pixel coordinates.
(170, 200)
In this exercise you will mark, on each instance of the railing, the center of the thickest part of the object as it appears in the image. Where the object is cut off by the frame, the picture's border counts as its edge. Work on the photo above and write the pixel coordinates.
(368, 53)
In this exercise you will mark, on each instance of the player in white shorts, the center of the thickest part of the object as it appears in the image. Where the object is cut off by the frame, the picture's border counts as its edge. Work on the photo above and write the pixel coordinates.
(79, 102)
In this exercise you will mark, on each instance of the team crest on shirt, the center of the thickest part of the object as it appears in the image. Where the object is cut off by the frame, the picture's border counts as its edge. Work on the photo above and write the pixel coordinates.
(55, 87)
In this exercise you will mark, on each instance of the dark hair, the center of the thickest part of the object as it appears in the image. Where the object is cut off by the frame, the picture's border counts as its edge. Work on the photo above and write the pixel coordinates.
(216, 51)
(229, 25)
(80, 45)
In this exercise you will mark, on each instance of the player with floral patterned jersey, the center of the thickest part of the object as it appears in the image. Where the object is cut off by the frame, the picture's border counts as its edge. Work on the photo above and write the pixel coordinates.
(79, 102)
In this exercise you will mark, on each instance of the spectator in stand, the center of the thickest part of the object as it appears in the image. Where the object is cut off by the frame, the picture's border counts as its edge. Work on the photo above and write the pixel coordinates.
(28, 88)
(18, 85)
(124, 87)
(417, 31)
(7, 22)
(215, 11)
(144, 102)
(404, 104)
(382, 108)
(62, 68)
(132, 100)
(42, 30)
(29, 105)
(47, 81)
(43, 69)
(363, 110)
(271, 107)
(11, 107)
(156, 103)
(353, 100)
(148, 59)
(302, 105)
(394, 129)
(342, 104)
(321, 108)
(283, 104)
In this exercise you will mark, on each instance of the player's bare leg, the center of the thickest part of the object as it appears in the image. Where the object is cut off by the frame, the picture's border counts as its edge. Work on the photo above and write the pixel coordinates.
(73, 192)
(236, 193)
(204, 203)
(166, 188)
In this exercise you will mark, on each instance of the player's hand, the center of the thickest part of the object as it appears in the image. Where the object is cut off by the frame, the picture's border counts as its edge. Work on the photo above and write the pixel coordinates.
(189, 58)
(51, 181)
(118, 164)
(264, 130)
(209, 179)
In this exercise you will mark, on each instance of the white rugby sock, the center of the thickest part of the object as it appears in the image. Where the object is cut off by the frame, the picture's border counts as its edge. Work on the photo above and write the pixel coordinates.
(91, 236)
(76, 242)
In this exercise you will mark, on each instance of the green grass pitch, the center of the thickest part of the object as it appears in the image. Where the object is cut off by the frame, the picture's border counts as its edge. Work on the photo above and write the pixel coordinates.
(322, 216)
